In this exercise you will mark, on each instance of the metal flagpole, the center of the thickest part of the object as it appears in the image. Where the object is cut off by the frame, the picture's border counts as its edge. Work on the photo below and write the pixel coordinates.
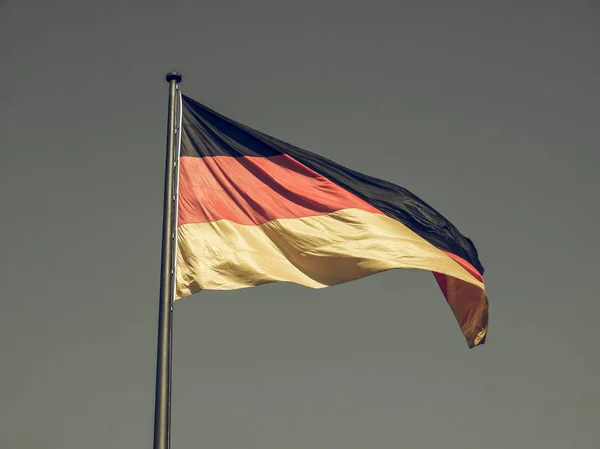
(162, 404)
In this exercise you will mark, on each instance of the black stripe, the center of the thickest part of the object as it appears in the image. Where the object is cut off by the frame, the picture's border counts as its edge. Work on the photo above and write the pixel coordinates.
(207, 133)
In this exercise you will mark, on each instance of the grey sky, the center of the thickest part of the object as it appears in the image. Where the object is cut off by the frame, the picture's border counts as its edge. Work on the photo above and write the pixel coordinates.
(486, 110)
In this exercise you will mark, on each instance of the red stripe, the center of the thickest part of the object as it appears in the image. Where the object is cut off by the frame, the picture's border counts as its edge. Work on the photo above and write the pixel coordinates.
(255, 190)
(442, 279)
(442, 282)
(466, 265)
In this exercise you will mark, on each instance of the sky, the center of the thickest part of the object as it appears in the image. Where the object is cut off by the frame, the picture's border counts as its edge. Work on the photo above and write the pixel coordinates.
(486, 110)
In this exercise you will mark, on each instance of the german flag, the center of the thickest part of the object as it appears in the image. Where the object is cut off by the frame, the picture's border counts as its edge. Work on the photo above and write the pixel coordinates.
(253, 210)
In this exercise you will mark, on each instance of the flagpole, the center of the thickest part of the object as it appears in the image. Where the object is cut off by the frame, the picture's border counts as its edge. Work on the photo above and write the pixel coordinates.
(162, 404)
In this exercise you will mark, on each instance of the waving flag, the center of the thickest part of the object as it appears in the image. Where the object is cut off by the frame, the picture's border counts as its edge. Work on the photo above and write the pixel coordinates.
(253, 210)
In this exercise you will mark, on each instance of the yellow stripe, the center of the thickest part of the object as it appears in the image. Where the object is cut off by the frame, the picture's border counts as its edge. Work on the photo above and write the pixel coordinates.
(317, 251)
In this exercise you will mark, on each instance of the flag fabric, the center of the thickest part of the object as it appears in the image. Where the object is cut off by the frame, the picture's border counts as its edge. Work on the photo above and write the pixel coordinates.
(253, 209)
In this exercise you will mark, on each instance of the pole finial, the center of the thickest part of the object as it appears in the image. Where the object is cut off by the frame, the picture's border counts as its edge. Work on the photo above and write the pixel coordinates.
(174, 76)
